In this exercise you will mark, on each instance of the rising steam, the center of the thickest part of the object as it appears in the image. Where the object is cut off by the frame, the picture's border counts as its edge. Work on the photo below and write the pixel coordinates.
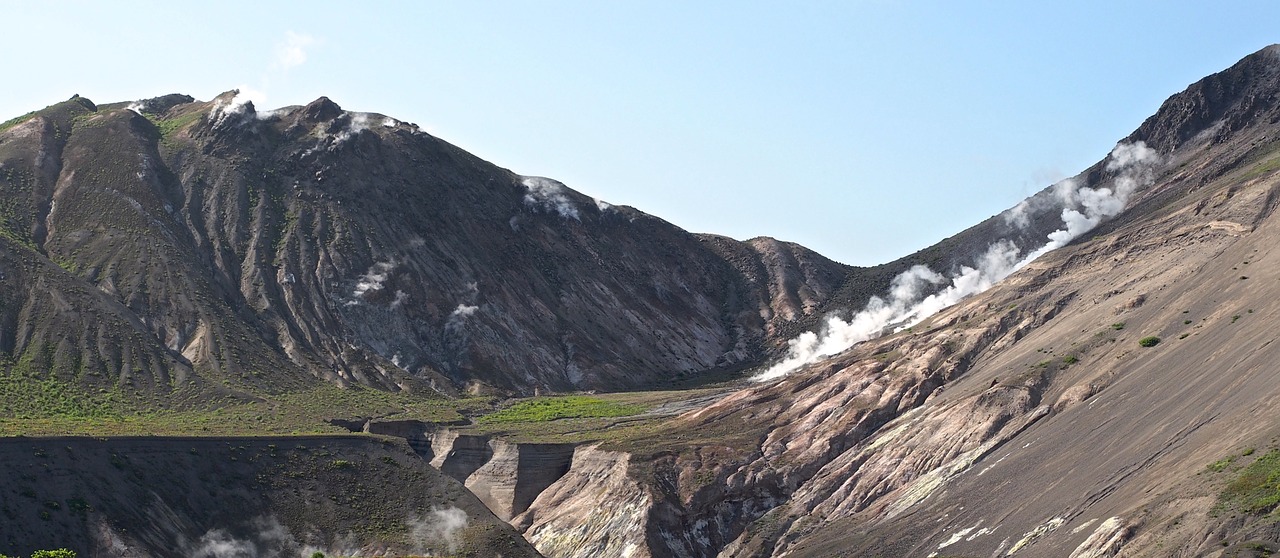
(549, 195)
(439, 530)
(237, 109)
(372, 281)
(359, 123)
(1083, 208)
(270, 540)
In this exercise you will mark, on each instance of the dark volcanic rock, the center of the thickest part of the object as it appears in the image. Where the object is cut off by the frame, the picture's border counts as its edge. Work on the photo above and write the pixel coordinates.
(182, 497)
(208, 248)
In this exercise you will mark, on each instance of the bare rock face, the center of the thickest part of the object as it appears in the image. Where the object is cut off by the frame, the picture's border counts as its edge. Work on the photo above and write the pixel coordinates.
(596, 509)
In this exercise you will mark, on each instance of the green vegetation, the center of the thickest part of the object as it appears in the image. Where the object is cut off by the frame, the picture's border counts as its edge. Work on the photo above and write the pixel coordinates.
(57, 553)
(1070, 359)
(1263, 167)
(32, 406)
(543, 409)
(1117, 326)
(1150, 341)
(1256, 489)
(1221, 464)
(14, 122)
(169, 126)
(25, 396)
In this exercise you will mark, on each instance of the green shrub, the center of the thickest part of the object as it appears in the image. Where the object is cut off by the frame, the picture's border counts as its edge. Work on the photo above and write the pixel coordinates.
(1149, 341)
(1117, 326)
(1221, 464)
(341, 464)
(59, 553)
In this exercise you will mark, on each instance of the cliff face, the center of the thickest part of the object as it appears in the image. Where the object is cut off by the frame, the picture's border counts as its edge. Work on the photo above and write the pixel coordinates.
(194, 246)
(1029, 420)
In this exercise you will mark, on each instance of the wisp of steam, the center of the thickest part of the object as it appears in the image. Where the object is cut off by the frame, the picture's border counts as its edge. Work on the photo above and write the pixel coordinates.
(1083, 208)
(440, 530)
(548, 194)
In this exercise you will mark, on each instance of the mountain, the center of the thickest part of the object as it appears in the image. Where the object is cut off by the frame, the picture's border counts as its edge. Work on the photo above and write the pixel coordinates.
(1090, 373)
(1114, 397)
(179, 253)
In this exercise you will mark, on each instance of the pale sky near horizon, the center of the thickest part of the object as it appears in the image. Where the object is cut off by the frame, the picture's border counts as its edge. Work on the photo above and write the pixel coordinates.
(865, 130)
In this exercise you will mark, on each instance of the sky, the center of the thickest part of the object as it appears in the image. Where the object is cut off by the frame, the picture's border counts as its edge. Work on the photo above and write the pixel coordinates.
(863, 129)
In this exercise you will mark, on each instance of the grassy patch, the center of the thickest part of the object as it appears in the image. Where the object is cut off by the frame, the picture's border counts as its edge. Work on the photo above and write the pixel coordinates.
(1263, 167)
(1221, 464)
(545, 409)
(1150, 341)
(1256, 489)
(28, 397)
(15, 121)
(47, 407)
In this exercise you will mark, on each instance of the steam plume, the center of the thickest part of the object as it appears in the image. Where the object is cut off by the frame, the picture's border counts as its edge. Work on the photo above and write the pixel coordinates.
(292, 52)
(548, 194)
(459, 316)
(1083, 208)
(441, 529)
(359, 123)
(270, 539)
(372, 280)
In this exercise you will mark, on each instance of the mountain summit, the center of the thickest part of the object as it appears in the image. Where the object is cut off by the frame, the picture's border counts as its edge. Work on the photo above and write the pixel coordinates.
(190, 249)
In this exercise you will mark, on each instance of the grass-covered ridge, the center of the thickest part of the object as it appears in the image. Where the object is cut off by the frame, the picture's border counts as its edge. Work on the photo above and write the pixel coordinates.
(543, 409)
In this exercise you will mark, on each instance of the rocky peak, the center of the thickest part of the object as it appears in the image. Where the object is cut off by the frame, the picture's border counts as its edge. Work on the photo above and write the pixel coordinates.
(1223, 103)
(321, 110)
(162, 104)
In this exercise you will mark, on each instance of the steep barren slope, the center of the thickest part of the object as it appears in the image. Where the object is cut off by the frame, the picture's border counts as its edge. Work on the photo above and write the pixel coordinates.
(1028, 420)
(178, 247)
(207, 497)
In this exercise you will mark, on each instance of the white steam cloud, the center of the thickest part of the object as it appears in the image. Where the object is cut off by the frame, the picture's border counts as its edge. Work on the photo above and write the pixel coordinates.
(459, 316)
(440, 530)
(292, 52)
(270, 540)
(372, 280)
(464, 311)
(1083, 208)
(548, 194)
(359, 123)
(225, 113)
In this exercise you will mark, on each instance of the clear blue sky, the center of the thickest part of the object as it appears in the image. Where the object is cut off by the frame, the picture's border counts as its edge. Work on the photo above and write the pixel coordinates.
(862, 129)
